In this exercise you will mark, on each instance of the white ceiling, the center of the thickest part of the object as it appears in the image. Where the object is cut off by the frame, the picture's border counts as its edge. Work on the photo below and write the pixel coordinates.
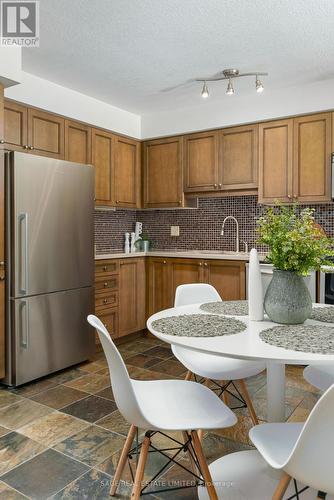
(125, 52)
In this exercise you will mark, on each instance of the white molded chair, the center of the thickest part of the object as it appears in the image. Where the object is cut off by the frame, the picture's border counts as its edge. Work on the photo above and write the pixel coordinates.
(303, 451)
(321, 376)
(209, 366)
(161, 405)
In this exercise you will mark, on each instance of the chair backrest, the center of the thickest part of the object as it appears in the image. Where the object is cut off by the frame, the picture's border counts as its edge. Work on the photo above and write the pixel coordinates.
(121, 383)
(311, 460)
(195, 293)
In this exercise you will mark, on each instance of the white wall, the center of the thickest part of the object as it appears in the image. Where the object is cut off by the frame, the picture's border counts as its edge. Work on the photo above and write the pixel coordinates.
(52, 97)
(10, 65)
(238, 109)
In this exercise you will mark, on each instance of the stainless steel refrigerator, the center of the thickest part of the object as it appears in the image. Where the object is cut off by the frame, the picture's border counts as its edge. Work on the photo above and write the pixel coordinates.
(49, 265)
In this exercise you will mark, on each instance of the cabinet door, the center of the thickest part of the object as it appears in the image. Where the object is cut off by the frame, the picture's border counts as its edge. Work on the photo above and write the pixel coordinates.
(184, 271)
(201, 162)
(46, 134)
(102, 149)
(275, 161)
(109, 318)
(312, 158)
(131, 296)
(126, 172)
(159, 291)
(163, 173)
(239, 158)
(15, 126)
(228, 278)
(78, 142)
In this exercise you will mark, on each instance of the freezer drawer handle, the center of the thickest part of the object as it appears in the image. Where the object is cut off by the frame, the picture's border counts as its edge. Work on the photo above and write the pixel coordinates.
(24, 324)
(23, 221)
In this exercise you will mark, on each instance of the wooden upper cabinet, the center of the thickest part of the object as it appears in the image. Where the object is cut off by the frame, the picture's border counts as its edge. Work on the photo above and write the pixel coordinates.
(126, 170)
(163, 173)
(15, 126)
(201, 162)
(275, 161)
(312, 158)
(78, 142)
(239, 158)
(46, 133)
(102, 159)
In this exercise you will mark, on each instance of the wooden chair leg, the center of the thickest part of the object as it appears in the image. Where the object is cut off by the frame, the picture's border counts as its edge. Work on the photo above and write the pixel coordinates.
(204, 466)
(122, 459)
(282, 487)
(193, 464)
(226, 396)
(200, 434)
(137, 485)
(188, 375)
(246, 396)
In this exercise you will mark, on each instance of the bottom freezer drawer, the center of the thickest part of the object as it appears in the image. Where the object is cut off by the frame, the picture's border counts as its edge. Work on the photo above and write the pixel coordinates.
(50, 332)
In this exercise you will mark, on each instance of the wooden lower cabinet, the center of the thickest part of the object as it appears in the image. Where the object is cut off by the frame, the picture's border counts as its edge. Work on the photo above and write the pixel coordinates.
(131, 295)
(228, 277)
(158, 290)
(184, 271)
(165, 275)
(120, 295)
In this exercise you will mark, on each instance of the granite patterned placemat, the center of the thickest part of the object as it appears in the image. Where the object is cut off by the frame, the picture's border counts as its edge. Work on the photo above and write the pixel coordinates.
(231, 307)
(323, 314)
(317, 339)
(198, 325)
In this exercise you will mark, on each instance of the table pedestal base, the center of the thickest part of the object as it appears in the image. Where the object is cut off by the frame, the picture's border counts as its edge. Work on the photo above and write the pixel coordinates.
(246, 476)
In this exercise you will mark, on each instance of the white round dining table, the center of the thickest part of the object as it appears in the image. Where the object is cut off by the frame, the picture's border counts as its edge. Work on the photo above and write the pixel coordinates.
(244, 475)
(247, 345)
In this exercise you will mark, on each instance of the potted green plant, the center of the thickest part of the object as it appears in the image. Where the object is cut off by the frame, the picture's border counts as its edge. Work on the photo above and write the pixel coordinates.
(297, 245)
(144, 243)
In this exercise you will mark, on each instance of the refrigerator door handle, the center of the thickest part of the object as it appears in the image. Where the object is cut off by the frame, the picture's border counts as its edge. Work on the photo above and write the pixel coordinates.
(23, 253)
(24, 327)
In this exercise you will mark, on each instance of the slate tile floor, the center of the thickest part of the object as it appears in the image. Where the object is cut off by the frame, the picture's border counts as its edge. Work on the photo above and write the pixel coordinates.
(60, 437)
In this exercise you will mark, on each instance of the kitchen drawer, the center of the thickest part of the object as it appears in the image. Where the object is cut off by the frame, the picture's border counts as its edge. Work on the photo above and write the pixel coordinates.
(106, 300)
(109, 318)
(106, 267)
(108, 283)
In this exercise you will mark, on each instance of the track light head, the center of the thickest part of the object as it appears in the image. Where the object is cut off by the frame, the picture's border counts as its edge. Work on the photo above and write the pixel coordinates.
(205, 91)
(230, 89)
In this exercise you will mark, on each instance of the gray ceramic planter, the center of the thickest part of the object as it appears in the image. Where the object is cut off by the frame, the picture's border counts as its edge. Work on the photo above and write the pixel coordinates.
(287, 299)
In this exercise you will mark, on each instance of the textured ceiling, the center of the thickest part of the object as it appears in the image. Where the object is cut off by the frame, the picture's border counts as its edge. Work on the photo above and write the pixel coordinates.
(125, 52)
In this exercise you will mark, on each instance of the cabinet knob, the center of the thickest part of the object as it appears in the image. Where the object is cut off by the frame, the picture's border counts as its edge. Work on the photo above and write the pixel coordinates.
(165, 262)
(295, 196)
(105, 284)
(220, 185)
(289, 196)
(215, 186)
(205, 263)
(106, 325)
(201, 264)
(2, 141)
(31, 147)
(2, 264)
(105, 268)
(2, 278)
(117, 201)
(25, 146)
(105, 301)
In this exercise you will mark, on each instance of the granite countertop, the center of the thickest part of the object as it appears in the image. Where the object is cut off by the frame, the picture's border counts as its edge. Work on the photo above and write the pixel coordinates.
(192, 254)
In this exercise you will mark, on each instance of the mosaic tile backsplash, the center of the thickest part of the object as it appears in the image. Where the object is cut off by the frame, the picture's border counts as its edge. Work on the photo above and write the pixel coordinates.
(199, 228)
